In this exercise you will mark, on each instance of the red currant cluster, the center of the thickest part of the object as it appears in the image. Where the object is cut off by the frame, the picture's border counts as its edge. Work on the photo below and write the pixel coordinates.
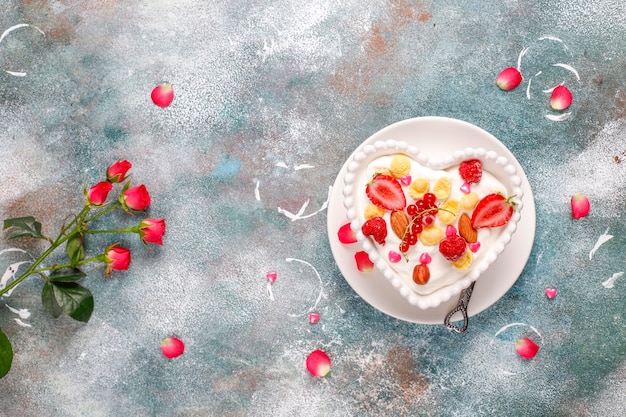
(422, 214)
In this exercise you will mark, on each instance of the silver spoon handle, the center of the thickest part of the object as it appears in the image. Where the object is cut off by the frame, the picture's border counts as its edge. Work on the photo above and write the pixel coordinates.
(461, 306)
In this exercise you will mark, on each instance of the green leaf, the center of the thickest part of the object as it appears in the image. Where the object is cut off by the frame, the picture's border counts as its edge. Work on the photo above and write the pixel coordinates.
(23, 227)
(75, 249)
(6, 354)
(75, 300)
(66, 274)
(48, 300)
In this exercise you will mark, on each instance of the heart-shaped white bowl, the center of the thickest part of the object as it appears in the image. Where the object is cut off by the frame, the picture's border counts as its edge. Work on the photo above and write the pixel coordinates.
(446, 280)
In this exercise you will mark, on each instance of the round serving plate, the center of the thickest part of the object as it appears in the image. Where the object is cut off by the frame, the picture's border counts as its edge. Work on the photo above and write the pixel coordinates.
(437, 137)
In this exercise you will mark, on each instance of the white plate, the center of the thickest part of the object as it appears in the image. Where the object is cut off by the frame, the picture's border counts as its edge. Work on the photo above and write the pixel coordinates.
(436, 136)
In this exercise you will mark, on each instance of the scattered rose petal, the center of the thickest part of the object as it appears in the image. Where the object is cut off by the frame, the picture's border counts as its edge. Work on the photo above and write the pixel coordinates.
(162, 95)
(314, 318)
(425, 258)
(394, 257)
(474, 247)
(580, 205)
(561, 98)
(346, 234)
(406, 180)
(466, 188)
(508, 79)
(271, 276)
(172, 347)
(318, 363)
(363, 262)
(551, 293)
(526, 348)
(450, 230)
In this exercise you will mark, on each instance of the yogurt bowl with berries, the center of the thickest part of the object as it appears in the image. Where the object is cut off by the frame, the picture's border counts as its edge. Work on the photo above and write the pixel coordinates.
(431, 226)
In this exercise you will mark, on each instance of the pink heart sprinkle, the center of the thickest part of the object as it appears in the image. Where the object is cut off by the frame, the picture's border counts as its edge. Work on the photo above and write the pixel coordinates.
(314, 318)
(405, 180)
(551, 293)
(271, 276)
(425, 258)
(474, 246)
(450, 230)
(394, 257)
(466, 188)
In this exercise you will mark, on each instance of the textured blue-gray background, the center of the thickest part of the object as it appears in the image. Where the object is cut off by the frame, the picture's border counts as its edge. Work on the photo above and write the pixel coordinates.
(261, 83)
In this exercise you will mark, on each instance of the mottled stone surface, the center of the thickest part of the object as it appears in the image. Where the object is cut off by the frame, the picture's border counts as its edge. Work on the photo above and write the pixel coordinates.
(266, 86)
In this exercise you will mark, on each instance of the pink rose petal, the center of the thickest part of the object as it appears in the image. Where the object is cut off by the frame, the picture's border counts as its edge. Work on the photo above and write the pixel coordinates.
(346, 235)
(526, 348)
(561, 98)
(551, 293)
(363, 262)
(509, 79)
(580, 205)
(474, 247)
(314, 318)
(318, 363)
(172, 347)
(271, 276)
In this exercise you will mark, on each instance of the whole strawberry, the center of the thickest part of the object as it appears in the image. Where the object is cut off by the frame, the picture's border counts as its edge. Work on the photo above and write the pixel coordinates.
(452, 247)
(377, 228)
(471, 170)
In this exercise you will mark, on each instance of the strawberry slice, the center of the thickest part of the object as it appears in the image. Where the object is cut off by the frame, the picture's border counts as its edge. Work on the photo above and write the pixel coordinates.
(493, 210)
(386, 192)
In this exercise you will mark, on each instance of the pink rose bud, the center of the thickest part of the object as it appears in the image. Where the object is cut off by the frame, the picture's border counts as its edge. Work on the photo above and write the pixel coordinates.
(318, 363)
(117, 171)
(162, 95)
(136, 198)
(508, 79)
(116, 257)
(172, 347)
(152, 231)
(580, 205)
(97, 194)
(561, 98)
(526, 348)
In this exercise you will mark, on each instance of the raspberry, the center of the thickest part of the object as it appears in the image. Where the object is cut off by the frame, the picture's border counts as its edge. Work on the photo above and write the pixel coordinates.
(376, 228)
(471, 170)
(452, 247)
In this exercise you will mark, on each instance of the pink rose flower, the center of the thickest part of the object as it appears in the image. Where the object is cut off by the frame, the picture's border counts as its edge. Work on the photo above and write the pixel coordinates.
(117, 171)
(136, 198)
(116, 257)
(97, 194)
(152, 231)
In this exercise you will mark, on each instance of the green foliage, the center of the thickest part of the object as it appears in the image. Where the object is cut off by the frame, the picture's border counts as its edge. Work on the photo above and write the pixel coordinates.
(6, 354)
(23, 227)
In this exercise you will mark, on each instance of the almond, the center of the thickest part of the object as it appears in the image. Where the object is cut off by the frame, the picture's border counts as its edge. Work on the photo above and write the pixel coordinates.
(421, 274)
(399, 223)
(466, 230)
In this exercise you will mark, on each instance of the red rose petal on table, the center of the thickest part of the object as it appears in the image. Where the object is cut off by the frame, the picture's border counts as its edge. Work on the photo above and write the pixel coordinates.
(561, 98)
(363, 262)
(318, 363)
(162, 95)
(314, 318)
(580, 205)
(508, 79)
(271, 276)
(346, 235)
(526, 348)
(172, 347)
